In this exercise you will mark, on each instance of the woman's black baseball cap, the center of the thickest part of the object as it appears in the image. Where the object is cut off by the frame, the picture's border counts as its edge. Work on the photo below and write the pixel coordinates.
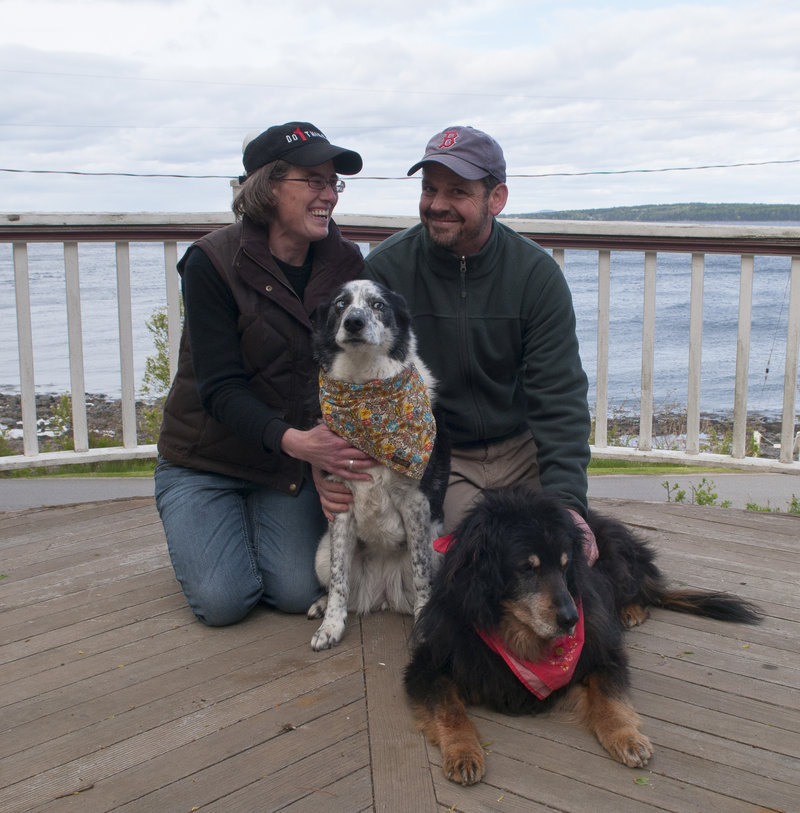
(299, 143)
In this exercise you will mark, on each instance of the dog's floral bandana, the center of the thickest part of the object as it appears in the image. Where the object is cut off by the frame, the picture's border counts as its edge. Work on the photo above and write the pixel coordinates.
(556, 666)
(389, 419)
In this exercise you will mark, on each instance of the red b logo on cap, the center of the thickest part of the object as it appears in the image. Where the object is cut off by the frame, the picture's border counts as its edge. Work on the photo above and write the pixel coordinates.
(448, 140)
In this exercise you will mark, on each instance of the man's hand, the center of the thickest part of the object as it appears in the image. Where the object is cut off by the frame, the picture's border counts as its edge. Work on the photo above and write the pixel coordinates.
(589, 542)
(334, 497)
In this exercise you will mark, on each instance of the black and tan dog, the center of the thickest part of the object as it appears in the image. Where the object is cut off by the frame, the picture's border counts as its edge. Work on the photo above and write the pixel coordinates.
(519, 622)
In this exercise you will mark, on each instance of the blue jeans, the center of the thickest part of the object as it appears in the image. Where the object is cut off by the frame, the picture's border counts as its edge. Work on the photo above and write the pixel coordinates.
(234, 543)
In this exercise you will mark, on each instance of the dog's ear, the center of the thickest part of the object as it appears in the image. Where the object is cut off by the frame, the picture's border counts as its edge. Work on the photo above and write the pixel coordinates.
(473, 572)
(402, 317)
(322, 343)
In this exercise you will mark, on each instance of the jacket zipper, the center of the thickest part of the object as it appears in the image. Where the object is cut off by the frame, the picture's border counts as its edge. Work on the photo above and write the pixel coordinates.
(465, 360)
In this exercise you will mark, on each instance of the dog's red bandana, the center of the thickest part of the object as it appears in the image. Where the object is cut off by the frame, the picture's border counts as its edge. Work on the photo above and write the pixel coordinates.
(553, 670)
(556, 666)
(389, 419)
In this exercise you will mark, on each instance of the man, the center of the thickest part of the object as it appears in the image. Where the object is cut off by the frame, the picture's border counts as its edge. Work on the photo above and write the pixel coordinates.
(495, 324)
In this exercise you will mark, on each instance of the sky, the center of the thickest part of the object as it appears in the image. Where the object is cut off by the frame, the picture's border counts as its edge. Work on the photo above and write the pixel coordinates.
(595, 104)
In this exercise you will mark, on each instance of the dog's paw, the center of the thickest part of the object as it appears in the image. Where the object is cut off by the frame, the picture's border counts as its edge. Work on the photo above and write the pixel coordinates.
(328, 635)
(465, 765)
(317, 609)
(633, 615)
(631, 748)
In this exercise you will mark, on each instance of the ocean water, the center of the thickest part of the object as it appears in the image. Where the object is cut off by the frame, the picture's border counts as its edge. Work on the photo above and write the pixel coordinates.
(769, 320)
(720, 319)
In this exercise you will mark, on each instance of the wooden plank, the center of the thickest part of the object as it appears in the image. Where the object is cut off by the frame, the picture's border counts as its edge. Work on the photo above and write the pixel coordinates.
(676, 678)
(95, 572)
(204, 768)
(132, 749)
(311, 775)
(79, 536)
(398, 753)
(566, 777)
(750, 527)
(188, 669)
(351, 794)
(47, 519)
(549, 745)
(60, 611)
(180, 647)
(219, 718)
(317, 693)
(689, 762)
(746, 660)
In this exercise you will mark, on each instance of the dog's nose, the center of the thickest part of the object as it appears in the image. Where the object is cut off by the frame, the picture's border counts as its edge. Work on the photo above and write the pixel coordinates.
(354, 322)
(566, 615)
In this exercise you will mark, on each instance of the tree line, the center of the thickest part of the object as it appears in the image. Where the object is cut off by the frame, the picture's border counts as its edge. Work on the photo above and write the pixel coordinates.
(682, 212)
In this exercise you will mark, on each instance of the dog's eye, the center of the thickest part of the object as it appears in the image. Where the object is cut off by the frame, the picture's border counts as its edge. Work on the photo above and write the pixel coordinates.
(378, 305)
(534, 563)
(340, 304)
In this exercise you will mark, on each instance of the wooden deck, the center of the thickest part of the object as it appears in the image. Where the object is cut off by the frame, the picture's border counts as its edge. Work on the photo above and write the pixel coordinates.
(113, 698)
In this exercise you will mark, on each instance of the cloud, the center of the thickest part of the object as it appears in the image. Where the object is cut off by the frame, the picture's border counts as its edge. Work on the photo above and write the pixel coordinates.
(172, 87)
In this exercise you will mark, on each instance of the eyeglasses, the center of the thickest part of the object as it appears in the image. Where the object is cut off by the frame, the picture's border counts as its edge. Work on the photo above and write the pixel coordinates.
(318, 184)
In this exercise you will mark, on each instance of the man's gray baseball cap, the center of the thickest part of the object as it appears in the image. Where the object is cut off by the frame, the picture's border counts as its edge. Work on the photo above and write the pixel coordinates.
(470, 153)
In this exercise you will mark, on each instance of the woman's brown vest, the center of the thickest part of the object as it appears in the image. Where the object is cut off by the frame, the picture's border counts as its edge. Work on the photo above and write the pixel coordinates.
(275, 342)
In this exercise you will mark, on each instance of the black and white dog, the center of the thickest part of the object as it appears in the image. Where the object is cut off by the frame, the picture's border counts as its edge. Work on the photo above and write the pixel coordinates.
(376, 392)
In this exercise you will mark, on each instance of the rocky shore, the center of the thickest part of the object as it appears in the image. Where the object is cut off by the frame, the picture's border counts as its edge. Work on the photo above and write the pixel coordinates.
(104, 418)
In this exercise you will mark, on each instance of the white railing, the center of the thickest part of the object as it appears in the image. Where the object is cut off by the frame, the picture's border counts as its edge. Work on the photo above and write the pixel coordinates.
(169, 229)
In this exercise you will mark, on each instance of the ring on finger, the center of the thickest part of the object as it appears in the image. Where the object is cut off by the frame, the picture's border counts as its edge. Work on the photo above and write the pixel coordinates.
(350, 464)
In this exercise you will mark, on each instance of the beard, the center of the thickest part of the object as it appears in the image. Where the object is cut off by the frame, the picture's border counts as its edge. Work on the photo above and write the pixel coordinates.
(458, 236)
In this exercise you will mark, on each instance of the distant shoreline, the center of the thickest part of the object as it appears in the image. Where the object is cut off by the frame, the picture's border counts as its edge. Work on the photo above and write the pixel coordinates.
(730, 213)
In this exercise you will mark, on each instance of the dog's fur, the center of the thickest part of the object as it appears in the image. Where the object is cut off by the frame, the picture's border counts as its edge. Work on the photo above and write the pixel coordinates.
(517, 567)
(378, 554)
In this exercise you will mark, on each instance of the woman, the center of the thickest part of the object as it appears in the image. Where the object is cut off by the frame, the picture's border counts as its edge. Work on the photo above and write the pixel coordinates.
(233, 483)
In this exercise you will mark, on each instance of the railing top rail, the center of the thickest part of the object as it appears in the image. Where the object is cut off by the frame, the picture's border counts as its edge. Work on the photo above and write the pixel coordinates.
(612, 235)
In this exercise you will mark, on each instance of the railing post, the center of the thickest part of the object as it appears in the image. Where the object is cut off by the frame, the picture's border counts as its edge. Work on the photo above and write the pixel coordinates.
(695, 355)
(648, 352)
(739, 440)
(173, 305)
(601, 381)
(80, 431)
(126, 345)
(790, 370)
(30, 441)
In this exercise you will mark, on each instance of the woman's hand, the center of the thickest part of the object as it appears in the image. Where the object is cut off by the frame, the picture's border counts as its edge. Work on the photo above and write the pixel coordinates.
(327, 451)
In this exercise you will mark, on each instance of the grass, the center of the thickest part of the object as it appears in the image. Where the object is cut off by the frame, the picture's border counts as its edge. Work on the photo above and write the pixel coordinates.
(144, 468)
(114, 468)
(631, 467)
